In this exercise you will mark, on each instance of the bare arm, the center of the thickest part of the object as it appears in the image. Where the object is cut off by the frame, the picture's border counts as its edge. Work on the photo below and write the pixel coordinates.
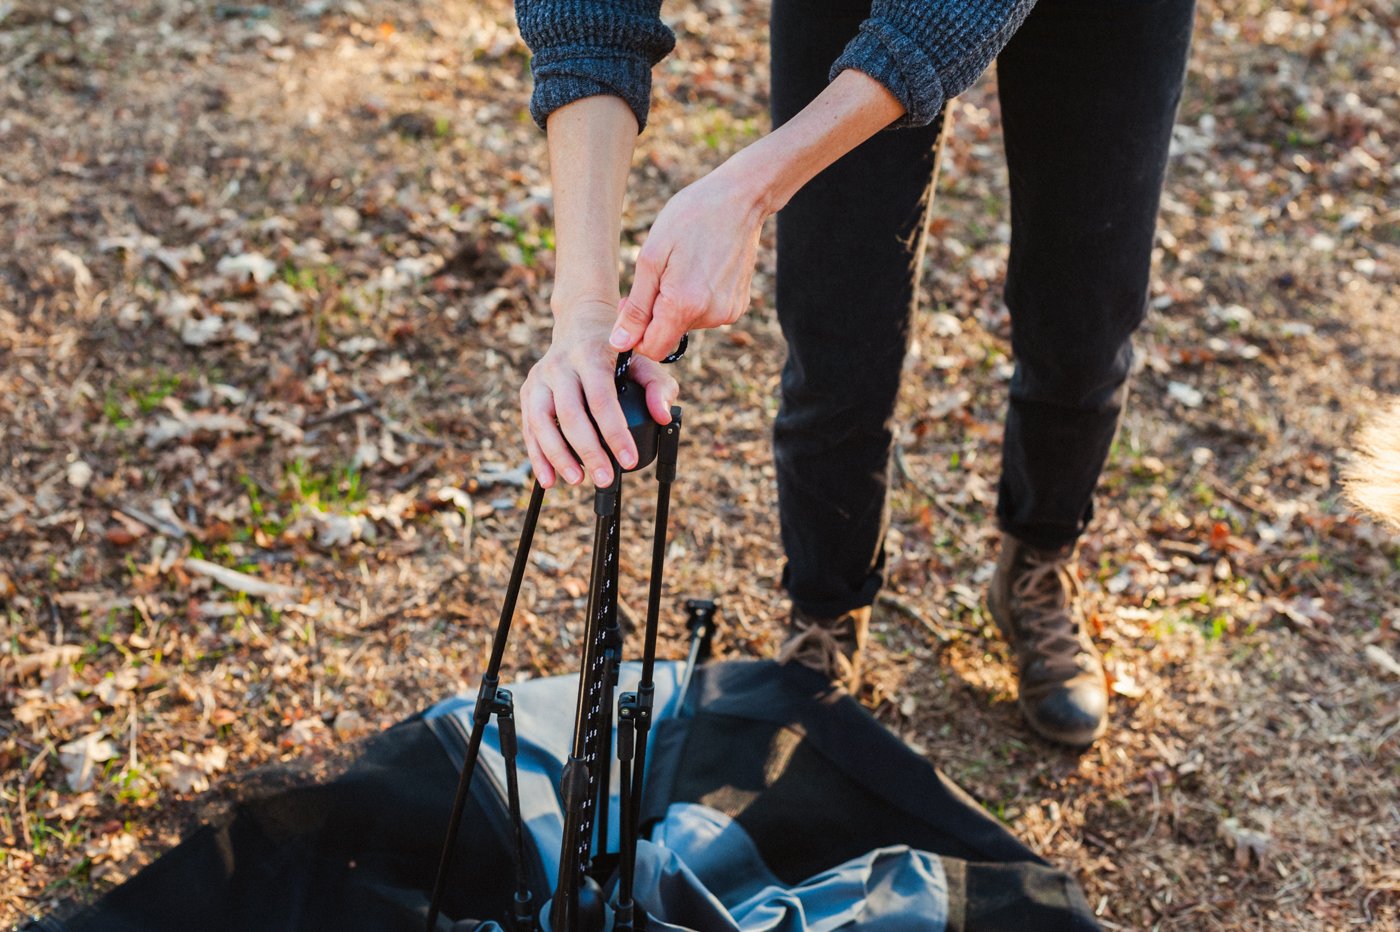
(695, 268)
(590, 150)
(693, 271)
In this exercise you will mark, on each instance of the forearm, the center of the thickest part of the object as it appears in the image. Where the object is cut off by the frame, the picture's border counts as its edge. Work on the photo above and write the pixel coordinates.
(853, 108)
(590, 151)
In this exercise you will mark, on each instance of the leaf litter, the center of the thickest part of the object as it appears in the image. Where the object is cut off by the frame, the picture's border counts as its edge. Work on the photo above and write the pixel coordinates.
(262, 479)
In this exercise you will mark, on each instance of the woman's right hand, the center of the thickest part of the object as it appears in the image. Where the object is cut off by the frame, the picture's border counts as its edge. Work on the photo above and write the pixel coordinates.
(574, 379)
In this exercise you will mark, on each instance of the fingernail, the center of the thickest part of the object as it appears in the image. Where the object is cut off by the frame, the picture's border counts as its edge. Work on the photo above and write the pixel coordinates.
(619, 338)
(573, 475)
(627, 458)
(600, 475)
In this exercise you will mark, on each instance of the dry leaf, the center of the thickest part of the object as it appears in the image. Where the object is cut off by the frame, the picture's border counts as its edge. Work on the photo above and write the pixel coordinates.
(1246, 842)
(80, 758)
(1382, 659)
(250, 266)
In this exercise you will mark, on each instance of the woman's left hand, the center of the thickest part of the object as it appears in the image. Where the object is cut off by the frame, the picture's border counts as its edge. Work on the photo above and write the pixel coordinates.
(696, 266)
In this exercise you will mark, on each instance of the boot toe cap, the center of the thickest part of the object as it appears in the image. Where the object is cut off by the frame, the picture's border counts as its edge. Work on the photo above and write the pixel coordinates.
(1073, 714)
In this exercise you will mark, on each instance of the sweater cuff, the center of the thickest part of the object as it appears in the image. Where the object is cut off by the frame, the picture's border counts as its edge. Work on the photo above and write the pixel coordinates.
(564, 77)
(896, 61)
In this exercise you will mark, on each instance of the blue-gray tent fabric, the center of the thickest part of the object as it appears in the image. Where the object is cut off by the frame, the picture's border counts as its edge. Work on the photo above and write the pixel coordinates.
(700, 870)
(836, 823)
(544, 724)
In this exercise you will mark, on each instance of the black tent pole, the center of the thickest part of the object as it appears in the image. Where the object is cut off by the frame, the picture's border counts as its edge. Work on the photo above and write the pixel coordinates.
(638, 706)
(625, 915)
(486, 700)
(523, 915)
(612, 665)
(576, 786)
(665, 474)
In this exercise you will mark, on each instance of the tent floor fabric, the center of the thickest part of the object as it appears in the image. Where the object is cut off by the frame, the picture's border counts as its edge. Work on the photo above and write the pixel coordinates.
(773, 803)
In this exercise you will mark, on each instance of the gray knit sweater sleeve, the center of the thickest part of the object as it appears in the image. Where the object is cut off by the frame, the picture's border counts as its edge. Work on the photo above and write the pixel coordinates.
(924, 51)
(582, 48)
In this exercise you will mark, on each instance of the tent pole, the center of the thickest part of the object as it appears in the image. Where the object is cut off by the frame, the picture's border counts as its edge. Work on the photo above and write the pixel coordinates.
(487, 700)
(577, 784)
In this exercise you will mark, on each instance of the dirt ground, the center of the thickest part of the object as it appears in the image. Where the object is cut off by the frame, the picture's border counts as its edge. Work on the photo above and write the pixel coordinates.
(270, 277)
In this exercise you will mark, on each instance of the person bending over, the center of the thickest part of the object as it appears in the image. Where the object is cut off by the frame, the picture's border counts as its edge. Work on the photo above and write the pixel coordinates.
(1089, 90)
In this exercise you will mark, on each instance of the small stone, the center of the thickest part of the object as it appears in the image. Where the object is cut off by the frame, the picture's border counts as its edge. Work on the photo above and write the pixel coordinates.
(349, 725)
(79, 474)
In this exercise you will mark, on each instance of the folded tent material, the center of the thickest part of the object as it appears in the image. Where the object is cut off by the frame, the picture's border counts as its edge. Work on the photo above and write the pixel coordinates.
(773, 804)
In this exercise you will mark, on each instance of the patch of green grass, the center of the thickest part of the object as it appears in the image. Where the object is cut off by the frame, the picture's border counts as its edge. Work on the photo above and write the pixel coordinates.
(264, 519)
(339, 488)
(312, 279)
(149, 398)
(141, 394)
(528, 239)
(1203, 494)
(722, 131)
(133, 785)
(112, 411)
(300, 279)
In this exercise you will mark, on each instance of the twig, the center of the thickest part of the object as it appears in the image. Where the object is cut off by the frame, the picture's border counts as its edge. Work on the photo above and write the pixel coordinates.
(359, 406)
(415, 601)
(500, 475)
(425, 466)
(22, 791)
(890, 600)
(902, 466)
(151, 521)
(239, 582)
(1244, 501)
(372, 406)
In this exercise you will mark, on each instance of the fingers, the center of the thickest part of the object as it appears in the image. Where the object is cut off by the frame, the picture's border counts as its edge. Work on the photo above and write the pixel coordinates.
(578, 431)
(661, 389)
(601, 394)
(635, 312)
(669, 323)
(550, 455)
(539, 463)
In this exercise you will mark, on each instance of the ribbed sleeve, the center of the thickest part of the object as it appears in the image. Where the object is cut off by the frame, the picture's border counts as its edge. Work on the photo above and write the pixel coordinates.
(926, 51)
(582, 48)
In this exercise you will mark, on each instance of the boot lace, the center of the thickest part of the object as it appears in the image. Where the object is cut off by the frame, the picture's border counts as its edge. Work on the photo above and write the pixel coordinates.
(823, 647)
(1048, 592)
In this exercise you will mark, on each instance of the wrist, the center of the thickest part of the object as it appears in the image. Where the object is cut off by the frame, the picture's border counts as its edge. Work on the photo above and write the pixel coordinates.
(567, 302)
(753, 177)
(770, 171)
(586, 316)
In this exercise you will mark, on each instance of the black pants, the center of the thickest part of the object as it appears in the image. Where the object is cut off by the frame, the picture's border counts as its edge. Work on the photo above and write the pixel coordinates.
(1089, 90)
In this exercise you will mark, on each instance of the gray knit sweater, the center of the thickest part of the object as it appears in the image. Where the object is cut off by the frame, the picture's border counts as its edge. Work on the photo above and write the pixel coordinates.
(924, 51)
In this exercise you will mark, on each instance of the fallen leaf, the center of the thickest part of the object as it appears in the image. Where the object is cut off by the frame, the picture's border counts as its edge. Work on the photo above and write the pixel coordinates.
(251, 266)
(80, 758)
(1246, 842)
(1382, 659)
(1185, 394)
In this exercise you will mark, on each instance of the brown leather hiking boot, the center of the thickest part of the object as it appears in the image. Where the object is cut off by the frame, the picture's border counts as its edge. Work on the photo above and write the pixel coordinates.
(1036, 602)
(831, 646)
